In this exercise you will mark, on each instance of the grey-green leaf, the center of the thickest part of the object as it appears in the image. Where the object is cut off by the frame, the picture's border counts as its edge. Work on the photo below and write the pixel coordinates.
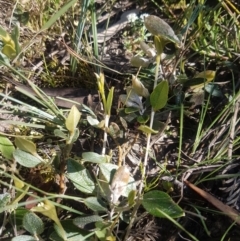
(154, 201)
(80, 177)
(24, 238)
(158, 27)
(95, 204)
(33, 224)
(84, 222)
(26, 159)
(94, 157)
(73, 233)
(4, 200)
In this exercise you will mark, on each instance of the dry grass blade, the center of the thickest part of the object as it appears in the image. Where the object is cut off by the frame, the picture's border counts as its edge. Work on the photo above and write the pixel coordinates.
(230, 212)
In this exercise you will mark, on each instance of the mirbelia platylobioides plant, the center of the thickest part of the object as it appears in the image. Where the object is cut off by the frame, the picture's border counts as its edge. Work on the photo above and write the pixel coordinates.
(157, 203)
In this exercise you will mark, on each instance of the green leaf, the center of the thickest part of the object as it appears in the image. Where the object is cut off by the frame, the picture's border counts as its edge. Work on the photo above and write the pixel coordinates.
(142, 119)
(159, 44)
(4, 59)
(109, 101)
(80, 177)
(88, 222)
(159, 96)
(138, 87)
(131, 198)
(158, 27)
(33, 224)
(130, 110)
(9, 50)
(154, 201)
(138, 61)
(4, 200)
(108, 170)
(48, 209)
(15, 37)
(6, 147)
(131, 99)
(18, 215)
(72, 119)
(60, 134)
(26, 145)
(4, 36)
(57, 15)
(147, 130)
(73, 233)
(114, 130)
(214, 90)
(95, 204)
(92, 120)
(23, 18)
(200, 80)
(94, 157)
(24, 238)
(20, 194)
(26, 159)
(74, 136)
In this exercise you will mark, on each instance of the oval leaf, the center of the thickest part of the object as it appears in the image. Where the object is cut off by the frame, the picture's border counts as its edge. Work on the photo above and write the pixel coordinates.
(209, 75)
(214, 90)
(147, 129)
(23, 238)
(130, 110)
(4, 200)
(154, 201)
(33, 224)
(95, 204)
(87, 222)
(26, 159)
(60, 134)
(159, 96)
(119, 183)
(92, 120)
(156, 26)
(80, 177)
(138, 87)
(73, 119)
(48, 209)
(73, 233)
(107, 176)
(147, 50)
(94, 157)
(132, 99)
(9, 51)
(25, 145)
(6, 147)
(114, 130)
(142, 119)
(138, 61)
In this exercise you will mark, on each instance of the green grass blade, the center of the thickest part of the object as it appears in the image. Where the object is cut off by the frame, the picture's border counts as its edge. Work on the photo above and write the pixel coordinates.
(78, 37)
(57, 15)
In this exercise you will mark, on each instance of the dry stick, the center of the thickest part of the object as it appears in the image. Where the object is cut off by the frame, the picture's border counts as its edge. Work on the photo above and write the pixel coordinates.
(138, 202)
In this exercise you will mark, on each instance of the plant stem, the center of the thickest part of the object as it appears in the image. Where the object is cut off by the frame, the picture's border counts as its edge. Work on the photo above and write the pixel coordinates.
(138, 203)
(106, 123)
